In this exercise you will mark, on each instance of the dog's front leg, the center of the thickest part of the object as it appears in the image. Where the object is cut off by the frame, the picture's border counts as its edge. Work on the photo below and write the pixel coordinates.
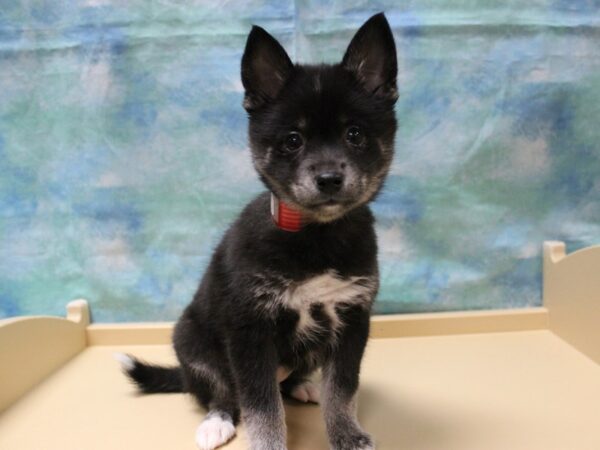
(254, 362)
(340, 383)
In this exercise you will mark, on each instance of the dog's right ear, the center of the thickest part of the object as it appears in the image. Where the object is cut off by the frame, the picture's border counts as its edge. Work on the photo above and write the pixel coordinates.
(265, 68)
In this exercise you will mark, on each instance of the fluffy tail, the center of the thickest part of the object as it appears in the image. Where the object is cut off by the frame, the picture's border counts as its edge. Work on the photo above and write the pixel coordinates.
(149, 378)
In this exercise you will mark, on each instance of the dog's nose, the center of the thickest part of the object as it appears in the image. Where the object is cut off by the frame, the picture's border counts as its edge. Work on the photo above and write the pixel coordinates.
(329, 182)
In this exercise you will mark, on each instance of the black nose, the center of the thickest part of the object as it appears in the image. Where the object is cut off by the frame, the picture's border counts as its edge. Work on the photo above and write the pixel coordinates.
(329, 182)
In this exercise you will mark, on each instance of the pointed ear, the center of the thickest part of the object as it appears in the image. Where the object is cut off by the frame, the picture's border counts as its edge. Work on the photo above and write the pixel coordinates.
(265, 68)
(371, 56)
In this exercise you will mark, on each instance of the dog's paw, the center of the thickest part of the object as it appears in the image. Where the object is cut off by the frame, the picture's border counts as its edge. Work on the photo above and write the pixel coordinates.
(306, 391)
(354, 441)
(369, 446)
(362, 442)
(213, 432)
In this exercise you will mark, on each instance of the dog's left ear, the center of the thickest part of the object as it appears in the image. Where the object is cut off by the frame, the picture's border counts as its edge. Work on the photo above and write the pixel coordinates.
(371, 56)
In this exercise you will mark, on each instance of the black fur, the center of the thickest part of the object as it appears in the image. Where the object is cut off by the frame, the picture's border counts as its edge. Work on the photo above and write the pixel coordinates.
(153, 379)
(240, 326)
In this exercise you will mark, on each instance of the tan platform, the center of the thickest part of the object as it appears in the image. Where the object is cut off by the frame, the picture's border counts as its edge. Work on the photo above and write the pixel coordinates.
(505, 380)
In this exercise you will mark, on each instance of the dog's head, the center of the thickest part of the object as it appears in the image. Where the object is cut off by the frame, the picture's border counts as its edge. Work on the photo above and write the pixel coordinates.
(322, 137)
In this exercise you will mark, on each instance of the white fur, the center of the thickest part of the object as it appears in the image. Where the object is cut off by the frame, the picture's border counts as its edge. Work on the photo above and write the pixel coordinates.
(328, 289)
(127, 363)
(306, 392)
(213, 432)
(270, 285)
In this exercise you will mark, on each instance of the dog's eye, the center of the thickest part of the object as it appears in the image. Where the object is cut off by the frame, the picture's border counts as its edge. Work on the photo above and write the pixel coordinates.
(355, 136)
(293, 141)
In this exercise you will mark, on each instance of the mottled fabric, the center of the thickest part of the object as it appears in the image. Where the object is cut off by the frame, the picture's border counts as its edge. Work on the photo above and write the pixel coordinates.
(123, 153)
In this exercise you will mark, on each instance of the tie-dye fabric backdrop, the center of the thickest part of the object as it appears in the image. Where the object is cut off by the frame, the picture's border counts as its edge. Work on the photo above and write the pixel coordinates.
(123, 150)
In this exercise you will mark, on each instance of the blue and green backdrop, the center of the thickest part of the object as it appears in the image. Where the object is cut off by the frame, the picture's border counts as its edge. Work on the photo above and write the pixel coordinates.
(123, 151)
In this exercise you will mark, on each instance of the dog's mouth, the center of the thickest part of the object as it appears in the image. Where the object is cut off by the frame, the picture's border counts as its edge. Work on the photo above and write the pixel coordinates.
(328, 202)
(328, 209)
(320, 206)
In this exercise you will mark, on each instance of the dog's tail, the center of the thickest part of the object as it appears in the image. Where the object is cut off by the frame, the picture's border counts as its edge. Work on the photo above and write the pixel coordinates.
(149, 378)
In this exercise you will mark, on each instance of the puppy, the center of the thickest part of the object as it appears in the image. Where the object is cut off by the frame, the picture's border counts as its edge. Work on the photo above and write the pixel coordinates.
(290, 287)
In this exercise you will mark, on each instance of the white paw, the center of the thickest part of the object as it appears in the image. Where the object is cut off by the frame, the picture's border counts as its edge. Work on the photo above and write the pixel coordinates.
(213, 432)
(306, 392)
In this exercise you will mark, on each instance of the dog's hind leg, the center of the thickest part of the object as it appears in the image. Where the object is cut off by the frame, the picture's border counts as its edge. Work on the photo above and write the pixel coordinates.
(215, 393)
(207, 377)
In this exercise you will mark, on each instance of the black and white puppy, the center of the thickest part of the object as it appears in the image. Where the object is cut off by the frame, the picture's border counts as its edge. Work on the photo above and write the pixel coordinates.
(290, 287)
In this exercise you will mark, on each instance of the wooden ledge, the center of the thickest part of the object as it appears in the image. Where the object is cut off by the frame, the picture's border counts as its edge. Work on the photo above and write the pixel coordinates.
(388, 326)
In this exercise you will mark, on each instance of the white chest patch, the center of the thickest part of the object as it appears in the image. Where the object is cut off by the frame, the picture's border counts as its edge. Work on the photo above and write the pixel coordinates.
(328, 289)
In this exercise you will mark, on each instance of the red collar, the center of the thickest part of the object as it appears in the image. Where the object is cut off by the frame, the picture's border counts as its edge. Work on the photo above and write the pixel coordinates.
(284, 216)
